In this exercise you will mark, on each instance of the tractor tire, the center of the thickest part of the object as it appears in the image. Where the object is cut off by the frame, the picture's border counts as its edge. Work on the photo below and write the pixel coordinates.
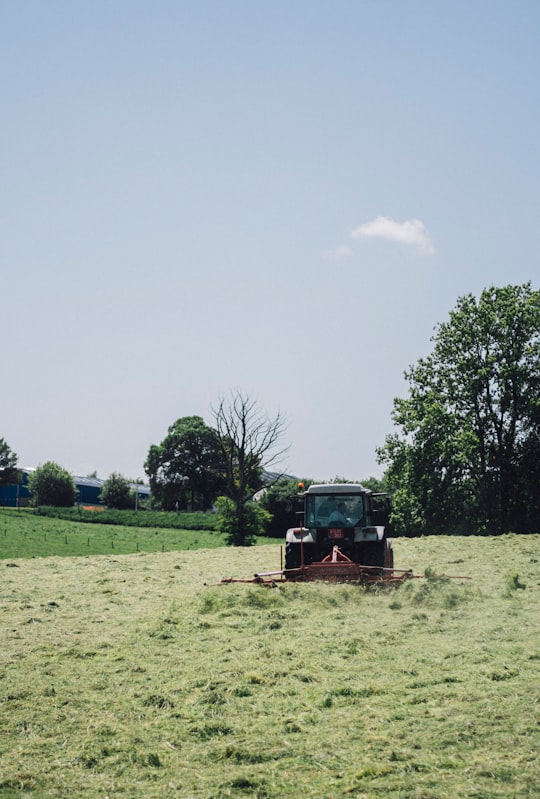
(292, 556)
(371, 553)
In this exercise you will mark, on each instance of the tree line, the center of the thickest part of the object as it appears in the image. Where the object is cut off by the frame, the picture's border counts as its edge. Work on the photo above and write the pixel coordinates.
(195, 467)
(51, 484)
(464, 455)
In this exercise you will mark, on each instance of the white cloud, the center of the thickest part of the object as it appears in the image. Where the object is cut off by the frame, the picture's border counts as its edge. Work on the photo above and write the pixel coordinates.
(337, 253)
(413, 232)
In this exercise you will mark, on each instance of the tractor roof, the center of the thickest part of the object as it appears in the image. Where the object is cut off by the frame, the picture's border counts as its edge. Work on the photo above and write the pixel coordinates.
(338, 488)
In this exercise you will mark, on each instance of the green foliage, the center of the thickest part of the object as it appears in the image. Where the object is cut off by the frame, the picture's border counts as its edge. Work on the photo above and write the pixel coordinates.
(283, 500)
(186, 469)
(116, 492)
(8, 463)
(51, 484)
(197, 520)
(376, 484)
(241, 530)
(467, 454)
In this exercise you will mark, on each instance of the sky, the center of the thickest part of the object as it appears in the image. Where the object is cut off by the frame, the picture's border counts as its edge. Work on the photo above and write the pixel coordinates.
(282, 199)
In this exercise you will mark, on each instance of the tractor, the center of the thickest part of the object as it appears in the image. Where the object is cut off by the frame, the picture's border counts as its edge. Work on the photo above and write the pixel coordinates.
(345, 534)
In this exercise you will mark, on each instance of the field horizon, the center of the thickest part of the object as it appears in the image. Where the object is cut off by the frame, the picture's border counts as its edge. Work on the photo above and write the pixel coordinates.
(141, 676)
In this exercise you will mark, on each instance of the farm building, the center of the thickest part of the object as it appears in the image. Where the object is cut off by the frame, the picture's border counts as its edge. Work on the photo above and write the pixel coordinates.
(88, 490)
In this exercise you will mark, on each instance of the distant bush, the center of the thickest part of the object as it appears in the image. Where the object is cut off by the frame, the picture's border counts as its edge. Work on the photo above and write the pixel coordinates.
(255, 518)
(197, 520)
(51, 484)
(116, 492)
(283, 500)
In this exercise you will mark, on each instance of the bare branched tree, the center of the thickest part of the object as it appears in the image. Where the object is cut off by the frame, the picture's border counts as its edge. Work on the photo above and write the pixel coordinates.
(251, 443)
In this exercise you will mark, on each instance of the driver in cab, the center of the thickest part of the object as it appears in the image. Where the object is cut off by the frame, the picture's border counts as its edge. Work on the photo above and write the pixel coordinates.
(338, 515)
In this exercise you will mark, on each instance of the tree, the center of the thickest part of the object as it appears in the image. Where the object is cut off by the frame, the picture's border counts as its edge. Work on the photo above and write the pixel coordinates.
(375, 484)
(250, 443)
(466, 456)
(283, 500)
(8, 463)
(50, 484)
(116, 492)
(186, 468)
(255, 520)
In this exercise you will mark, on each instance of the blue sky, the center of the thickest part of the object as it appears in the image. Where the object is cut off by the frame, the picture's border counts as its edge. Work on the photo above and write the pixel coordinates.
(283, 198)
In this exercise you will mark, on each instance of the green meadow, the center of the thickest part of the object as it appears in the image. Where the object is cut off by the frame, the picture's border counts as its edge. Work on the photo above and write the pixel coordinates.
(140, 676)
(25, 534)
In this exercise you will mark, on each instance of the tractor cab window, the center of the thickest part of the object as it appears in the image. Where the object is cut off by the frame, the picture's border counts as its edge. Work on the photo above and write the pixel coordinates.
(331, 510)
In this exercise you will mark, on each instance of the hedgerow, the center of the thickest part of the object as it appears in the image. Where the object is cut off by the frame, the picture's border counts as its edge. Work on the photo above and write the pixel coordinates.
(197, 520)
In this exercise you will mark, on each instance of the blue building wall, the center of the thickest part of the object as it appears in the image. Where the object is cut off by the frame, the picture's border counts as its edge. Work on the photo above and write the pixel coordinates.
(88, 488)
(13, 496)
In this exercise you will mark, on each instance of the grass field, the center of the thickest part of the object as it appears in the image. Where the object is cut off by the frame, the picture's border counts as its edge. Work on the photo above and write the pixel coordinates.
(137, 676)
(25, 535)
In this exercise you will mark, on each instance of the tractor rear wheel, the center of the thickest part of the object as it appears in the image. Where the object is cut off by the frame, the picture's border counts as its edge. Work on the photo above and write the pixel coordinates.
(292, 556)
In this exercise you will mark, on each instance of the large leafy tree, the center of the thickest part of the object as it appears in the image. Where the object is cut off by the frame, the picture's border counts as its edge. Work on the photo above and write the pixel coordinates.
(8, 463)
(467, 452)
(51, 484)
(186, 468)
(250, 442)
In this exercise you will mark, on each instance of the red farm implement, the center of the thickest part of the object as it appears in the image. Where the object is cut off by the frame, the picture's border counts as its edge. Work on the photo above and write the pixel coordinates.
(335, 567)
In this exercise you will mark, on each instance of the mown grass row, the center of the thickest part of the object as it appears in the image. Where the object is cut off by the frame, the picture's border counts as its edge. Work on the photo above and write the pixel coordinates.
(142, 677)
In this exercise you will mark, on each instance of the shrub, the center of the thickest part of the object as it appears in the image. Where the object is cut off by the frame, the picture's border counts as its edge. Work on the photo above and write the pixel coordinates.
(116, 492)
(51, 484)
(132, 518)
(283, 500)
(253, 521)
